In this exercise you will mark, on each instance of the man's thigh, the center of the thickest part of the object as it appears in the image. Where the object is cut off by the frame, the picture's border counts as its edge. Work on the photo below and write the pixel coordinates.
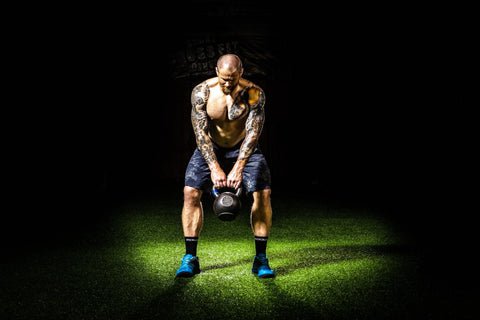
(198, 173)
(256, 174)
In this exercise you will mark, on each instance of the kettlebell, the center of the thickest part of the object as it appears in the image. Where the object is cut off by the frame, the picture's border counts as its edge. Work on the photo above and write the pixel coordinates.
(227, 204)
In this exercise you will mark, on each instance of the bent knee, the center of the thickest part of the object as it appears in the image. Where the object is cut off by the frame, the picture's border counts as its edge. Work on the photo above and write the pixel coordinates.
(262, 197)
(191, 195)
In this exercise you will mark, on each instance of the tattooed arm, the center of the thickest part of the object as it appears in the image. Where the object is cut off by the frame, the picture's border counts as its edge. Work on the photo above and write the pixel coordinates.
(254, 123)
(200, 120)
(253, 128)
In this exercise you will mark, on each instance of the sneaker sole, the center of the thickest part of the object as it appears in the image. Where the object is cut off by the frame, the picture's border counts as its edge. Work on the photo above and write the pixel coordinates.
(266, 276)
(185, 275)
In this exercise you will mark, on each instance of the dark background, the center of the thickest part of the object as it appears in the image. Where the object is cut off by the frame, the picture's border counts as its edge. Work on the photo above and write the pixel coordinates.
(359, 106)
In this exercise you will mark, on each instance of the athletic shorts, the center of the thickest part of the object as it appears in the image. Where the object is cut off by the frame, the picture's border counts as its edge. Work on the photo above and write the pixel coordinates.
(256, 174)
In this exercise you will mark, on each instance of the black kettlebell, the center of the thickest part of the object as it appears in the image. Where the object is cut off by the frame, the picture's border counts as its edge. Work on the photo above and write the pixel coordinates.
(227, 204)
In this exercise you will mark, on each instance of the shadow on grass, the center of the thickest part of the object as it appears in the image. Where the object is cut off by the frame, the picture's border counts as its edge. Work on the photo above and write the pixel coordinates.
(170, 303)
(166, 304)
(314, 256)
(227, 265)
(310, 257)
(285, 307)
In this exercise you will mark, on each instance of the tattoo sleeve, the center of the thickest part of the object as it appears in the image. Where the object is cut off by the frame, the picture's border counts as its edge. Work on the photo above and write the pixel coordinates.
(200, 122)
(253, 126)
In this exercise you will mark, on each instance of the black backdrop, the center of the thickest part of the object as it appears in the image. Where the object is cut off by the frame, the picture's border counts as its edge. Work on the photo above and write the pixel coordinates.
(352, 104)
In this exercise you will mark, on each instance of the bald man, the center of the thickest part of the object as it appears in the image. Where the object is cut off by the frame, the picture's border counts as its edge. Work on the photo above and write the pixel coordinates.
(227, 118)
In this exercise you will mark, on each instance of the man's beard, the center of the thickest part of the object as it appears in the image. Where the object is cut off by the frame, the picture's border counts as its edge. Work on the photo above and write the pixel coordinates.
(228, 90)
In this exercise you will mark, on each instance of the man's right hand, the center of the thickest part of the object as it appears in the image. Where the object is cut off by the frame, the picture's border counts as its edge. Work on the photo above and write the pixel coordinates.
(219, 178)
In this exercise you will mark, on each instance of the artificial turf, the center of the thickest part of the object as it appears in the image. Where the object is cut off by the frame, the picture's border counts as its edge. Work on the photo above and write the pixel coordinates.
(331, 262)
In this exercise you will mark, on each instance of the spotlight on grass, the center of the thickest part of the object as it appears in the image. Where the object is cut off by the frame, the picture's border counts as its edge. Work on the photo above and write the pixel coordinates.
(329, 263)
(326, 264)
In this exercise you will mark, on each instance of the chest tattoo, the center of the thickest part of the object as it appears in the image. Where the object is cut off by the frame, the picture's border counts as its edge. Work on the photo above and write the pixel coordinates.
(236, 111)
(239, 106)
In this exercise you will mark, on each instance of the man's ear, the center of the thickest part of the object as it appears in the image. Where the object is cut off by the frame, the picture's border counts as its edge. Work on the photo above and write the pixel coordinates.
(241, 72)
(216, 70)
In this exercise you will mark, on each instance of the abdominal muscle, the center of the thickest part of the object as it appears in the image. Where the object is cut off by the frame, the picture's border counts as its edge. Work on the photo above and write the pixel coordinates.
(227, 135)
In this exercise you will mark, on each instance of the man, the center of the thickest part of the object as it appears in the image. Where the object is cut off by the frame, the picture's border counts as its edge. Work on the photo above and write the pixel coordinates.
(227, 118)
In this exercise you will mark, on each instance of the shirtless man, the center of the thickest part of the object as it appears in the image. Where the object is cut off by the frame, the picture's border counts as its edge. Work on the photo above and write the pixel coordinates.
(227, 118)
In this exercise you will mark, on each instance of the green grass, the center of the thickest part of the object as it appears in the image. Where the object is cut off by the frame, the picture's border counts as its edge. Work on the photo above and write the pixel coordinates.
(331, 262)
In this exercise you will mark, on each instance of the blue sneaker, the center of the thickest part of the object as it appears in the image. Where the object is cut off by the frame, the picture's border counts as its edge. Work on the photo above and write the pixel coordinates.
(190, 267)
(261, 267)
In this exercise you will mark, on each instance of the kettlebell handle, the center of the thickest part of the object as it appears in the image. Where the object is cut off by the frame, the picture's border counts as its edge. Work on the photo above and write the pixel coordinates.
(239, 191)
(216, 194)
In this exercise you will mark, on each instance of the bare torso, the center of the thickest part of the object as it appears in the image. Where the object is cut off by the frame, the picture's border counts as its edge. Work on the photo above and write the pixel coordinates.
(228, 113)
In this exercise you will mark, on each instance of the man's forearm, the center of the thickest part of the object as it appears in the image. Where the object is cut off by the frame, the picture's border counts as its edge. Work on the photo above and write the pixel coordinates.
(204, 142)
(253, 127)
(246, 150)
(206, 148)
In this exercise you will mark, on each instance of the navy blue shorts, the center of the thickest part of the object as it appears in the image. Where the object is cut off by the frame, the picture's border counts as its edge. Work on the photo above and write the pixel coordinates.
(256, 174)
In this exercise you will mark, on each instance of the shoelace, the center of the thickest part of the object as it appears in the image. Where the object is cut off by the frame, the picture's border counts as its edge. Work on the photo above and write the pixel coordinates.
(263, 260)
(187, 259)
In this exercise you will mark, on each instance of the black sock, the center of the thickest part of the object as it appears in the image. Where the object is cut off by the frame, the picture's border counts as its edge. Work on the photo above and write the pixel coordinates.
(191, 245)
(260, 245)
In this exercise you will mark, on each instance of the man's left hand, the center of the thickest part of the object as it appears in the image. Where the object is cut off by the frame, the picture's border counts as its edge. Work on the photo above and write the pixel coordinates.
(234, 178)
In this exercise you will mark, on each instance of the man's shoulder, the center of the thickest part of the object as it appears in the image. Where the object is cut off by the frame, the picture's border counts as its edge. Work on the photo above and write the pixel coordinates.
(201, 93)
(209, 83)
(253, 93)
(249, 85)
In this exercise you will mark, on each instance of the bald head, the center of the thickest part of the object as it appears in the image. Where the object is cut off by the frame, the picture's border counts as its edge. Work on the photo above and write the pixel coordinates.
(229, 62)
(229, 70)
